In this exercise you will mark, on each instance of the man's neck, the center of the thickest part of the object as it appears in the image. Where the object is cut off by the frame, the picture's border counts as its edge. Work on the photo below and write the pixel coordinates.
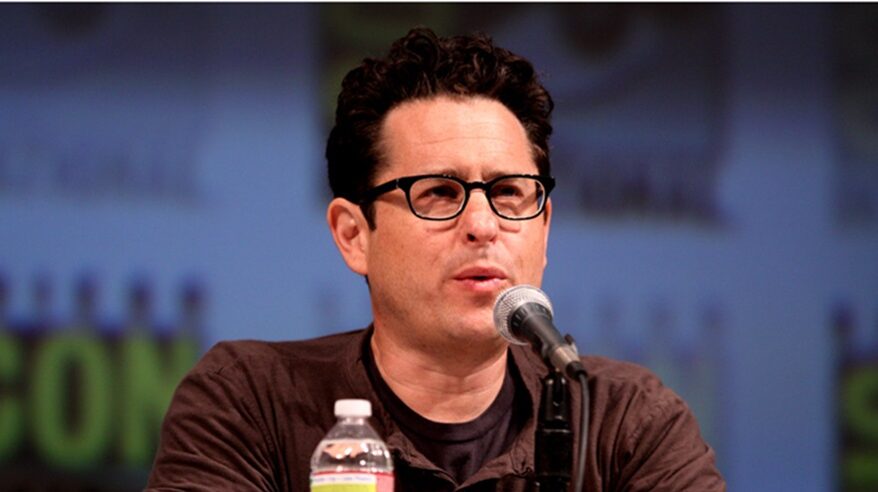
(449, 390)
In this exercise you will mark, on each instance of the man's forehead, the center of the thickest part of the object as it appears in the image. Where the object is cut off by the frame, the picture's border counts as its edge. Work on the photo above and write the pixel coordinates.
(438, 132)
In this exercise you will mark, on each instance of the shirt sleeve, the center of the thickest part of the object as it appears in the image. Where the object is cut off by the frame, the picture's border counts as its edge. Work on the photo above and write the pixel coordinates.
(665, 451)
(212, 440)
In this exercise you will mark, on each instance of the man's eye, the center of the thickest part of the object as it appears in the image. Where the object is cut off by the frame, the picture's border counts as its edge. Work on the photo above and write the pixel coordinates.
(441, 191)
(503, 190)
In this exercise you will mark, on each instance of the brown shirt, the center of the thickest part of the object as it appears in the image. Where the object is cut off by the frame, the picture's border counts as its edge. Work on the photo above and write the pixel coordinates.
(250, 414)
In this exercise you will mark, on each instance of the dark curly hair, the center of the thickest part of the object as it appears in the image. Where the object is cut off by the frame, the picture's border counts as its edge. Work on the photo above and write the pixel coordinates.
(422, 65)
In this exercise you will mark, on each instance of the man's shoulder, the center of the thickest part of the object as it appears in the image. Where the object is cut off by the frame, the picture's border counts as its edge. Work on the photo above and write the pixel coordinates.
(227, 356)
(619, 371)
(611, 381)
(626, 380)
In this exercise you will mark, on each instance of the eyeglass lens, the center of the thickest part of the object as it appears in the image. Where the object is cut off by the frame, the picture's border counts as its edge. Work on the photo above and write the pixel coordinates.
(512, 197)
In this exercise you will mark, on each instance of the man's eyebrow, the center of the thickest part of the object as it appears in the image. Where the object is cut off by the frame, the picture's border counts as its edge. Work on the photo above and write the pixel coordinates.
(487, 176)
(447, 171)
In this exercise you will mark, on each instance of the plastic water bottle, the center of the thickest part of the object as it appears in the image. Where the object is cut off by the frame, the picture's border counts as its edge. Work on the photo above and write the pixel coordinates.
(352, 457)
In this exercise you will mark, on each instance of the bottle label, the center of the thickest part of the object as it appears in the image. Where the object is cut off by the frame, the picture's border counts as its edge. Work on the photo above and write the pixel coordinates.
(351, 482)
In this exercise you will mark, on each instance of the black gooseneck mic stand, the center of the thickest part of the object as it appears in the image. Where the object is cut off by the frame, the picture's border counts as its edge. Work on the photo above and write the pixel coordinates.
(554, 441)
(553, 453)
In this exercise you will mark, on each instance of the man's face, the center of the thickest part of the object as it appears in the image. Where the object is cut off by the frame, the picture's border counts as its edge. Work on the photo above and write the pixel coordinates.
(434, 282)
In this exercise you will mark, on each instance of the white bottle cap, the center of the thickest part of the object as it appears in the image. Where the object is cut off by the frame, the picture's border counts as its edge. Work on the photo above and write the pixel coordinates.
(353, 408)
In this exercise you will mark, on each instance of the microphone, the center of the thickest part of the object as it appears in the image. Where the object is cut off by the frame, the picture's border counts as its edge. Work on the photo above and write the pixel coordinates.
(523, 315)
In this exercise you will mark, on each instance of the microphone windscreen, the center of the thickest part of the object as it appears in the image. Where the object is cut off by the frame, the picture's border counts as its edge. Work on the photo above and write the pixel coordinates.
(509, 301)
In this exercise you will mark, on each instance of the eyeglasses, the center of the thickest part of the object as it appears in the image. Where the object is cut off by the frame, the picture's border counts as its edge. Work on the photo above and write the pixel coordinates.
(440, 197)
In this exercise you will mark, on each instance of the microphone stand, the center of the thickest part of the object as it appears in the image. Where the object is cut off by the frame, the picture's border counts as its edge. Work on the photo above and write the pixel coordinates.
(553, 455)
(523, 314)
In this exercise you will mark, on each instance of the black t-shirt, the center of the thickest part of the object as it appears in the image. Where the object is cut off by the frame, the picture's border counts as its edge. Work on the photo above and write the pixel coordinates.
(459, 449)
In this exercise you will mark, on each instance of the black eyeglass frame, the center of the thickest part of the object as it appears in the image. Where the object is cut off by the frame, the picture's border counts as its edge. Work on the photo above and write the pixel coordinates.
(405, 184)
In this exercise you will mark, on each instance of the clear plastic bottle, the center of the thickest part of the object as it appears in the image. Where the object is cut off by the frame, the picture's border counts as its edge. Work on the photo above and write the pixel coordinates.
(352, 457)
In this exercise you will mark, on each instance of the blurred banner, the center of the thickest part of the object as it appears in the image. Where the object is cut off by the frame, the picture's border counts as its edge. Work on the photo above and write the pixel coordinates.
(163, 187)
(87, 394)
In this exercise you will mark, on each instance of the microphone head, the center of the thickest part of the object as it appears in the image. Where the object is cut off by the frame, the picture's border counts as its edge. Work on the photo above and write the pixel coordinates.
(509, 301)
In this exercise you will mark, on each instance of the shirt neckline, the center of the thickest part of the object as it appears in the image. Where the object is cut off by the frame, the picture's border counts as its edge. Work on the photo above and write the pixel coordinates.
(411, 421)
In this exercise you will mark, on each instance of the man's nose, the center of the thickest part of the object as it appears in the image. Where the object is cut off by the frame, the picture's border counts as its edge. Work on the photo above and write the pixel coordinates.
(478, 221)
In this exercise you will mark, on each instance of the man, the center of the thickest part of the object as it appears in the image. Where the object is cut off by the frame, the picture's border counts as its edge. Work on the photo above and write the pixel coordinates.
(439, 164)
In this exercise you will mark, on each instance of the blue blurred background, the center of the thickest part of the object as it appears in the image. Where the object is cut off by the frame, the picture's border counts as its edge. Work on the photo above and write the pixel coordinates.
(162, 187)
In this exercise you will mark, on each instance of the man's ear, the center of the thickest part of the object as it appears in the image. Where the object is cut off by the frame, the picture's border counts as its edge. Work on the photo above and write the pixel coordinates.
(350, 231)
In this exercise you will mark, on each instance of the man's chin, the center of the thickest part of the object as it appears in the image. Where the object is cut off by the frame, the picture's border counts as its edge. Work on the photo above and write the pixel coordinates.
(481, 331)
